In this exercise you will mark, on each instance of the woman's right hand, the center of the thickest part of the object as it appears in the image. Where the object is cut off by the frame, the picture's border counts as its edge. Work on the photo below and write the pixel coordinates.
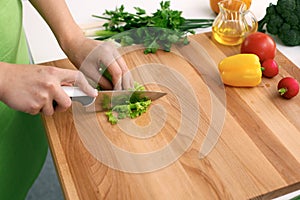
(33, 88)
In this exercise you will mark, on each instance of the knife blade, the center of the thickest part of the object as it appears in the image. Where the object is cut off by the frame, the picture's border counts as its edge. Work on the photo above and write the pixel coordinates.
(106, 99)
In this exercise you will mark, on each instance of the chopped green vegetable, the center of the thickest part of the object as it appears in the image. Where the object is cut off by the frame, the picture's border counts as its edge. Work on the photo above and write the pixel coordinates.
(106, 102)
(132, 108)
(121, 107)
(157, 31)
(138, 87)
(283, 20)
(111, 118)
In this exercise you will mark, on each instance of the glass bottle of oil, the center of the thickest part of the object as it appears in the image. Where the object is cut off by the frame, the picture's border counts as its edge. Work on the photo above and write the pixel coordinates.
(233, 23)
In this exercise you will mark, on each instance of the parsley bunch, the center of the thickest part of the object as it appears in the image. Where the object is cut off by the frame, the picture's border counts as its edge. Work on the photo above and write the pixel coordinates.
(156, 31)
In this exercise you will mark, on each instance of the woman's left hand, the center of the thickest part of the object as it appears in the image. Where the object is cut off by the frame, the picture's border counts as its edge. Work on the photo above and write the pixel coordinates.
(101, 55)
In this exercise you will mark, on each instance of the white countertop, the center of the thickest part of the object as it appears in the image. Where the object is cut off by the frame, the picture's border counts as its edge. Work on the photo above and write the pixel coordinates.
(44, 47)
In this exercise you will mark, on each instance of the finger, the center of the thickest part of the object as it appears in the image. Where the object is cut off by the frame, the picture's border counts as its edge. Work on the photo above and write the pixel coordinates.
(127, 80)
(116, 73)
(76, 77)
(33, 108)
(91, 71)
(105, 83)
(63, 101)
(45, 102)
(90, 65)
(47, 109)
(36, 103)
(121, 76)
(118, 85)
(83, 84)
(62, 108)
(112, 59)
(121, 62)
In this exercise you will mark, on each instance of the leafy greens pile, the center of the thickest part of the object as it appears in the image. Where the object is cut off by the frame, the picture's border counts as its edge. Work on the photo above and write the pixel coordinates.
(156, 31)
(132, 107)
(283, 20)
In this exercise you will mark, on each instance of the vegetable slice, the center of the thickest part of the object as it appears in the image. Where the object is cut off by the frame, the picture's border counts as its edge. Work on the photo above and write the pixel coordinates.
(131, 108)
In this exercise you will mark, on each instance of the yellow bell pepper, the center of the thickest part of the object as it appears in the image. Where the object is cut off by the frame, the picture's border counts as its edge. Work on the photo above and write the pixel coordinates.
(241, 70)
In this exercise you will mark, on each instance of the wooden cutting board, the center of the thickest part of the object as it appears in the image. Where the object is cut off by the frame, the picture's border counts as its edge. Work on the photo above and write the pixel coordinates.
(256, 157)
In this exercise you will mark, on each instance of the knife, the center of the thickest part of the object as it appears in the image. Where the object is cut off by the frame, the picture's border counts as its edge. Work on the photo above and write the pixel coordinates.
(106, 99)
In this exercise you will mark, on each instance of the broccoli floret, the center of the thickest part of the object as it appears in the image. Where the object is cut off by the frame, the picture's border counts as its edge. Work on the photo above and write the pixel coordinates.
(274, 25)
(283, 20)
(288, 35)
(270, 11)
(285, 7)
(292, 20)
(297, 9)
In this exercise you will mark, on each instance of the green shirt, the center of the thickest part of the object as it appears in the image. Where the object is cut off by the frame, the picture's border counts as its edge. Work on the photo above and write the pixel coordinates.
(23, 145)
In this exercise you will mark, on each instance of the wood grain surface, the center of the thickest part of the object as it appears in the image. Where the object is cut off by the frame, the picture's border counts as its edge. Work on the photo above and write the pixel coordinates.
(256, 157)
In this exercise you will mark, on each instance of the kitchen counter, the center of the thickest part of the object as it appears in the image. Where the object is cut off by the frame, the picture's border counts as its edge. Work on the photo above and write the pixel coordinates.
(254, 158)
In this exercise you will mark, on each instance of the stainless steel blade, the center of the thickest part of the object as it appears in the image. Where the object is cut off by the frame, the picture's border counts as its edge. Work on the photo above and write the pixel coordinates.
(107, 99)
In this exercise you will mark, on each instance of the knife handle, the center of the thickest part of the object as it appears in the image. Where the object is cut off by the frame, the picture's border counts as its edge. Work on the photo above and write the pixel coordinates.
(76, 94)
(73, 91)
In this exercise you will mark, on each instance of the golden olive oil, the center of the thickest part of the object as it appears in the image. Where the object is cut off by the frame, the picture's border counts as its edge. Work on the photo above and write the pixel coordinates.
(233, 23)
(231, 34)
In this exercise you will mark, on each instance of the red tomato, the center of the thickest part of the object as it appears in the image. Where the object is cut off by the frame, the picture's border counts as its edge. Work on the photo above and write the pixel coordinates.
(260, 44)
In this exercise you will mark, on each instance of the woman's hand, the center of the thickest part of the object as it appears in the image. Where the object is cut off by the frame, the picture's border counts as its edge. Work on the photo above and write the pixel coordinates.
(92, 57)
(106, 56)
(33, 88)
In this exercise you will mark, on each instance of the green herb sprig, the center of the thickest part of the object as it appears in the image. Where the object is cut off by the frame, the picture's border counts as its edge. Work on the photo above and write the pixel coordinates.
(156, 31)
